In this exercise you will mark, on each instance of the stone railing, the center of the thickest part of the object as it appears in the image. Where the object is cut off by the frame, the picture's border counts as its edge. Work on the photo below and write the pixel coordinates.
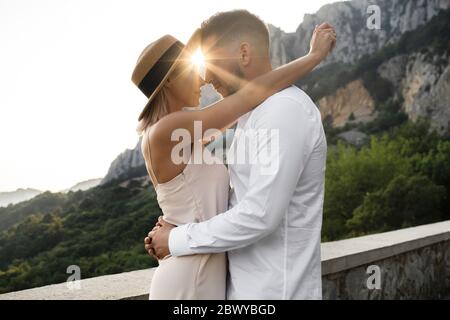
(411, 263)
(414, 263)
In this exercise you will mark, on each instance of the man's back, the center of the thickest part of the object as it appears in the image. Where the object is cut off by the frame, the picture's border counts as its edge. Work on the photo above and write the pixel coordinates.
(285, 197)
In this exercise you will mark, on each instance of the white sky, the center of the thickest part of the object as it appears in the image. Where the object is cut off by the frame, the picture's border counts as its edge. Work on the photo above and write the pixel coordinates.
(67, 104)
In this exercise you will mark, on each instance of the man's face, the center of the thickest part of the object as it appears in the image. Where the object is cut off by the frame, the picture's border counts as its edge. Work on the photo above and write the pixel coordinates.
(222, 66)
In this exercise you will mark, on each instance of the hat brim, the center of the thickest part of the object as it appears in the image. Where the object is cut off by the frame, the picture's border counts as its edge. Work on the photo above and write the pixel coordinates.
(161, 84)
(194, 39)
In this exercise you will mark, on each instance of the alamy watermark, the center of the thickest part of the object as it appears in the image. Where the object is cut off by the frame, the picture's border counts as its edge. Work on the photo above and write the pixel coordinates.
(256, 147)
(374, 20)
(74, 280)
(374, 280)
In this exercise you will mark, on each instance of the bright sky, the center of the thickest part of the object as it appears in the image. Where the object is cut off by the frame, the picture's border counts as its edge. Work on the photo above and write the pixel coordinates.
(67, 104)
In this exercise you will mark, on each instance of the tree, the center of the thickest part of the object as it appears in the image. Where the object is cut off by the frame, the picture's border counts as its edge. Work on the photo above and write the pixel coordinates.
(404, 202)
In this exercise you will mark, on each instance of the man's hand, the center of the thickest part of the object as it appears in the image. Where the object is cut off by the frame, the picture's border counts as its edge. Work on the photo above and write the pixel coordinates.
(157, 242)
(322, 41)
(147, 242)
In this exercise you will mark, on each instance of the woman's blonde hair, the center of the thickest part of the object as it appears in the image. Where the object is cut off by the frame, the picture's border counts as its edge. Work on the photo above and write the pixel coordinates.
(157, 110)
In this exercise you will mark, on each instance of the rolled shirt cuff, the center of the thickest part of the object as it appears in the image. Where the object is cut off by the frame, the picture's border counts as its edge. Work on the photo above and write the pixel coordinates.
(178, 241)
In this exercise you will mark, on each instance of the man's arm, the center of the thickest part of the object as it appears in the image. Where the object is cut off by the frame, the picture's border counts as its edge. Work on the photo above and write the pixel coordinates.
(263, 207)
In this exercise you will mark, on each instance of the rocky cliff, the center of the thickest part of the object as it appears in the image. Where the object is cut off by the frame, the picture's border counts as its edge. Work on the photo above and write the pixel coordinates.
(350, 21)
(409, 71)
(130, 158)
(422, 80)
(350, 103)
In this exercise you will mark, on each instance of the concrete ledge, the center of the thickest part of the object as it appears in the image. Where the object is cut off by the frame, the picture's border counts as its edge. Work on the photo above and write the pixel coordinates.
(337, 256)
(346, 254)
(132, 285)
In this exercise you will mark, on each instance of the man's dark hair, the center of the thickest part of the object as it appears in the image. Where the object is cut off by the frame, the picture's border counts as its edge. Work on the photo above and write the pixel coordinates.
(233, 25)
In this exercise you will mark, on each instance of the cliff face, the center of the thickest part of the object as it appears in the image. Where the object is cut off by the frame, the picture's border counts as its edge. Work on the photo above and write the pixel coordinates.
(130, 158)
(351, 103)
(350, 21)
(423, 81)
(419, 79)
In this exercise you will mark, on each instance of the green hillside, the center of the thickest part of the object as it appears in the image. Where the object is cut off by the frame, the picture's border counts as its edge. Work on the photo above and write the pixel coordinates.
(101, 230)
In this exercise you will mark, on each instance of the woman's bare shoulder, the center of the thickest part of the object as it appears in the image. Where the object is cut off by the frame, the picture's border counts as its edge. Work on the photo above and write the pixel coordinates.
(164, 128)
(159, 134)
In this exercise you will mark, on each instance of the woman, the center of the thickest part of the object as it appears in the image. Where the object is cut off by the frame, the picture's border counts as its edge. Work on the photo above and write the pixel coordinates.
(188, 192)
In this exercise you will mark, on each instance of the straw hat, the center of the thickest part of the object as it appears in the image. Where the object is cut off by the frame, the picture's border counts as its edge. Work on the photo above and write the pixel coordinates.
(156, 63)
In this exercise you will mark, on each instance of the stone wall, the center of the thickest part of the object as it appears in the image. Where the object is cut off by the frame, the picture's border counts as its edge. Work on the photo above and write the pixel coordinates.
(414, 263)
(418, 274)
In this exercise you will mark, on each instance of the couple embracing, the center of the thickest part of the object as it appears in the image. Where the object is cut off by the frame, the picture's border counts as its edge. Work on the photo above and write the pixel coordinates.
(236, 231)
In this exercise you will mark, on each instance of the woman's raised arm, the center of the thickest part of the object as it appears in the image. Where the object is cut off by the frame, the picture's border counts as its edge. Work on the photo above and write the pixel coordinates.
(229, 109)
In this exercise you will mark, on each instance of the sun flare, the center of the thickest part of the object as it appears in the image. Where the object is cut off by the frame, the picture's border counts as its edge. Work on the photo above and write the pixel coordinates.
(198, 60)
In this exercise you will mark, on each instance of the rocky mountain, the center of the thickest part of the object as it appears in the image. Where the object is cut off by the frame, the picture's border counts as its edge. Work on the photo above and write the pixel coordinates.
(422, 80)
(352, 100)
(403, 67)
(17, 196)
(409, 76)
(127, 160)
(350, 21)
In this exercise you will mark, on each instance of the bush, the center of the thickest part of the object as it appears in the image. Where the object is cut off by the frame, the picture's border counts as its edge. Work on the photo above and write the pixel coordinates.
(405, 202)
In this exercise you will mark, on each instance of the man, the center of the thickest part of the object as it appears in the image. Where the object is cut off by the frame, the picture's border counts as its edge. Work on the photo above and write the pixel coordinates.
(272, 230)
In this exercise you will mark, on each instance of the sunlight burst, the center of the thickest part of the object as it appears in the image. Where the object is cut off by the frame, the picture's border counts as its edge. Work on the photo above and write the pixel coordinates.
(198, 60)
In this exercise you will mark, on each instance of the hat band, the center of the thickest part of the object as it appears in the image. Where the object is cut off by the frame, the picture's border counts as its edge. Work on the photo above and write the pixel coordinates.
(157, 73)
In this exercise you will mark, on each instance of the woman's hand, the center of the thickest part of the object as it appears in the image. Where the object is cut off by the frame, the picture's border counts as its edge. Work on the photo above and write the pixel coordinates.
(322, 41)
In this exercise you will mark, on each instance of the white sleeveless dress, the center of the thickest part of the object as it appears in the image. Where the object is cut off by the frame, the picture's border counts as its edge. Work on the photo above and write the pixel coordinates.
(196, 194)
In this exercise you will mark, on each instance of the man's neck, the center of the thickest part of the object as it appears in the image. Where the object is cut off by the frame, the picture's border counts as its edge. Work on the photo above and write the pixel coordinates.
(261, 68)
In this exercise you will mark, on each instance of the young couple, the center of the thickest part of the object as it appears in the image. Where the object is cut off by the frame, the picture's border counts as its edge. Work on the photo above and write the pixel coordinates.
(259, 239)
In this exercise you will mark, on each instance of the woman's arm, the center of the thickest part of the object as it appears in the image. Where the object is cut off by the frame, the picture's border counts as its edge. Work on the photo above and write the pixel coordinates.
(229, 109)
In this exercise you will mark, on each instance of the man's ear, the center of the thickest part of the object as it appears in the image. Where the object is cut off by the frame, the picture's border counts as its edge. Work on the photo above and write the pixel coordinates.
(244, 54)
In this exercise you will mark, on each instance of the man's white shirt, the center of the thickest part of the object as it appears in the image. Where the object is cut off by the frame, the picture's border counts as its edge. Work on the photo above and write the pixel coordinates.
(272, 229)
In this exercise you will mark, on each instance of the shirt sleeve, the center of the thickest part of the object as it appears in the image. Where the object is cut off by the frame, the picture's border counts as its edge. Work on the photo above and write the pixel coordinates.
(281, 154)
